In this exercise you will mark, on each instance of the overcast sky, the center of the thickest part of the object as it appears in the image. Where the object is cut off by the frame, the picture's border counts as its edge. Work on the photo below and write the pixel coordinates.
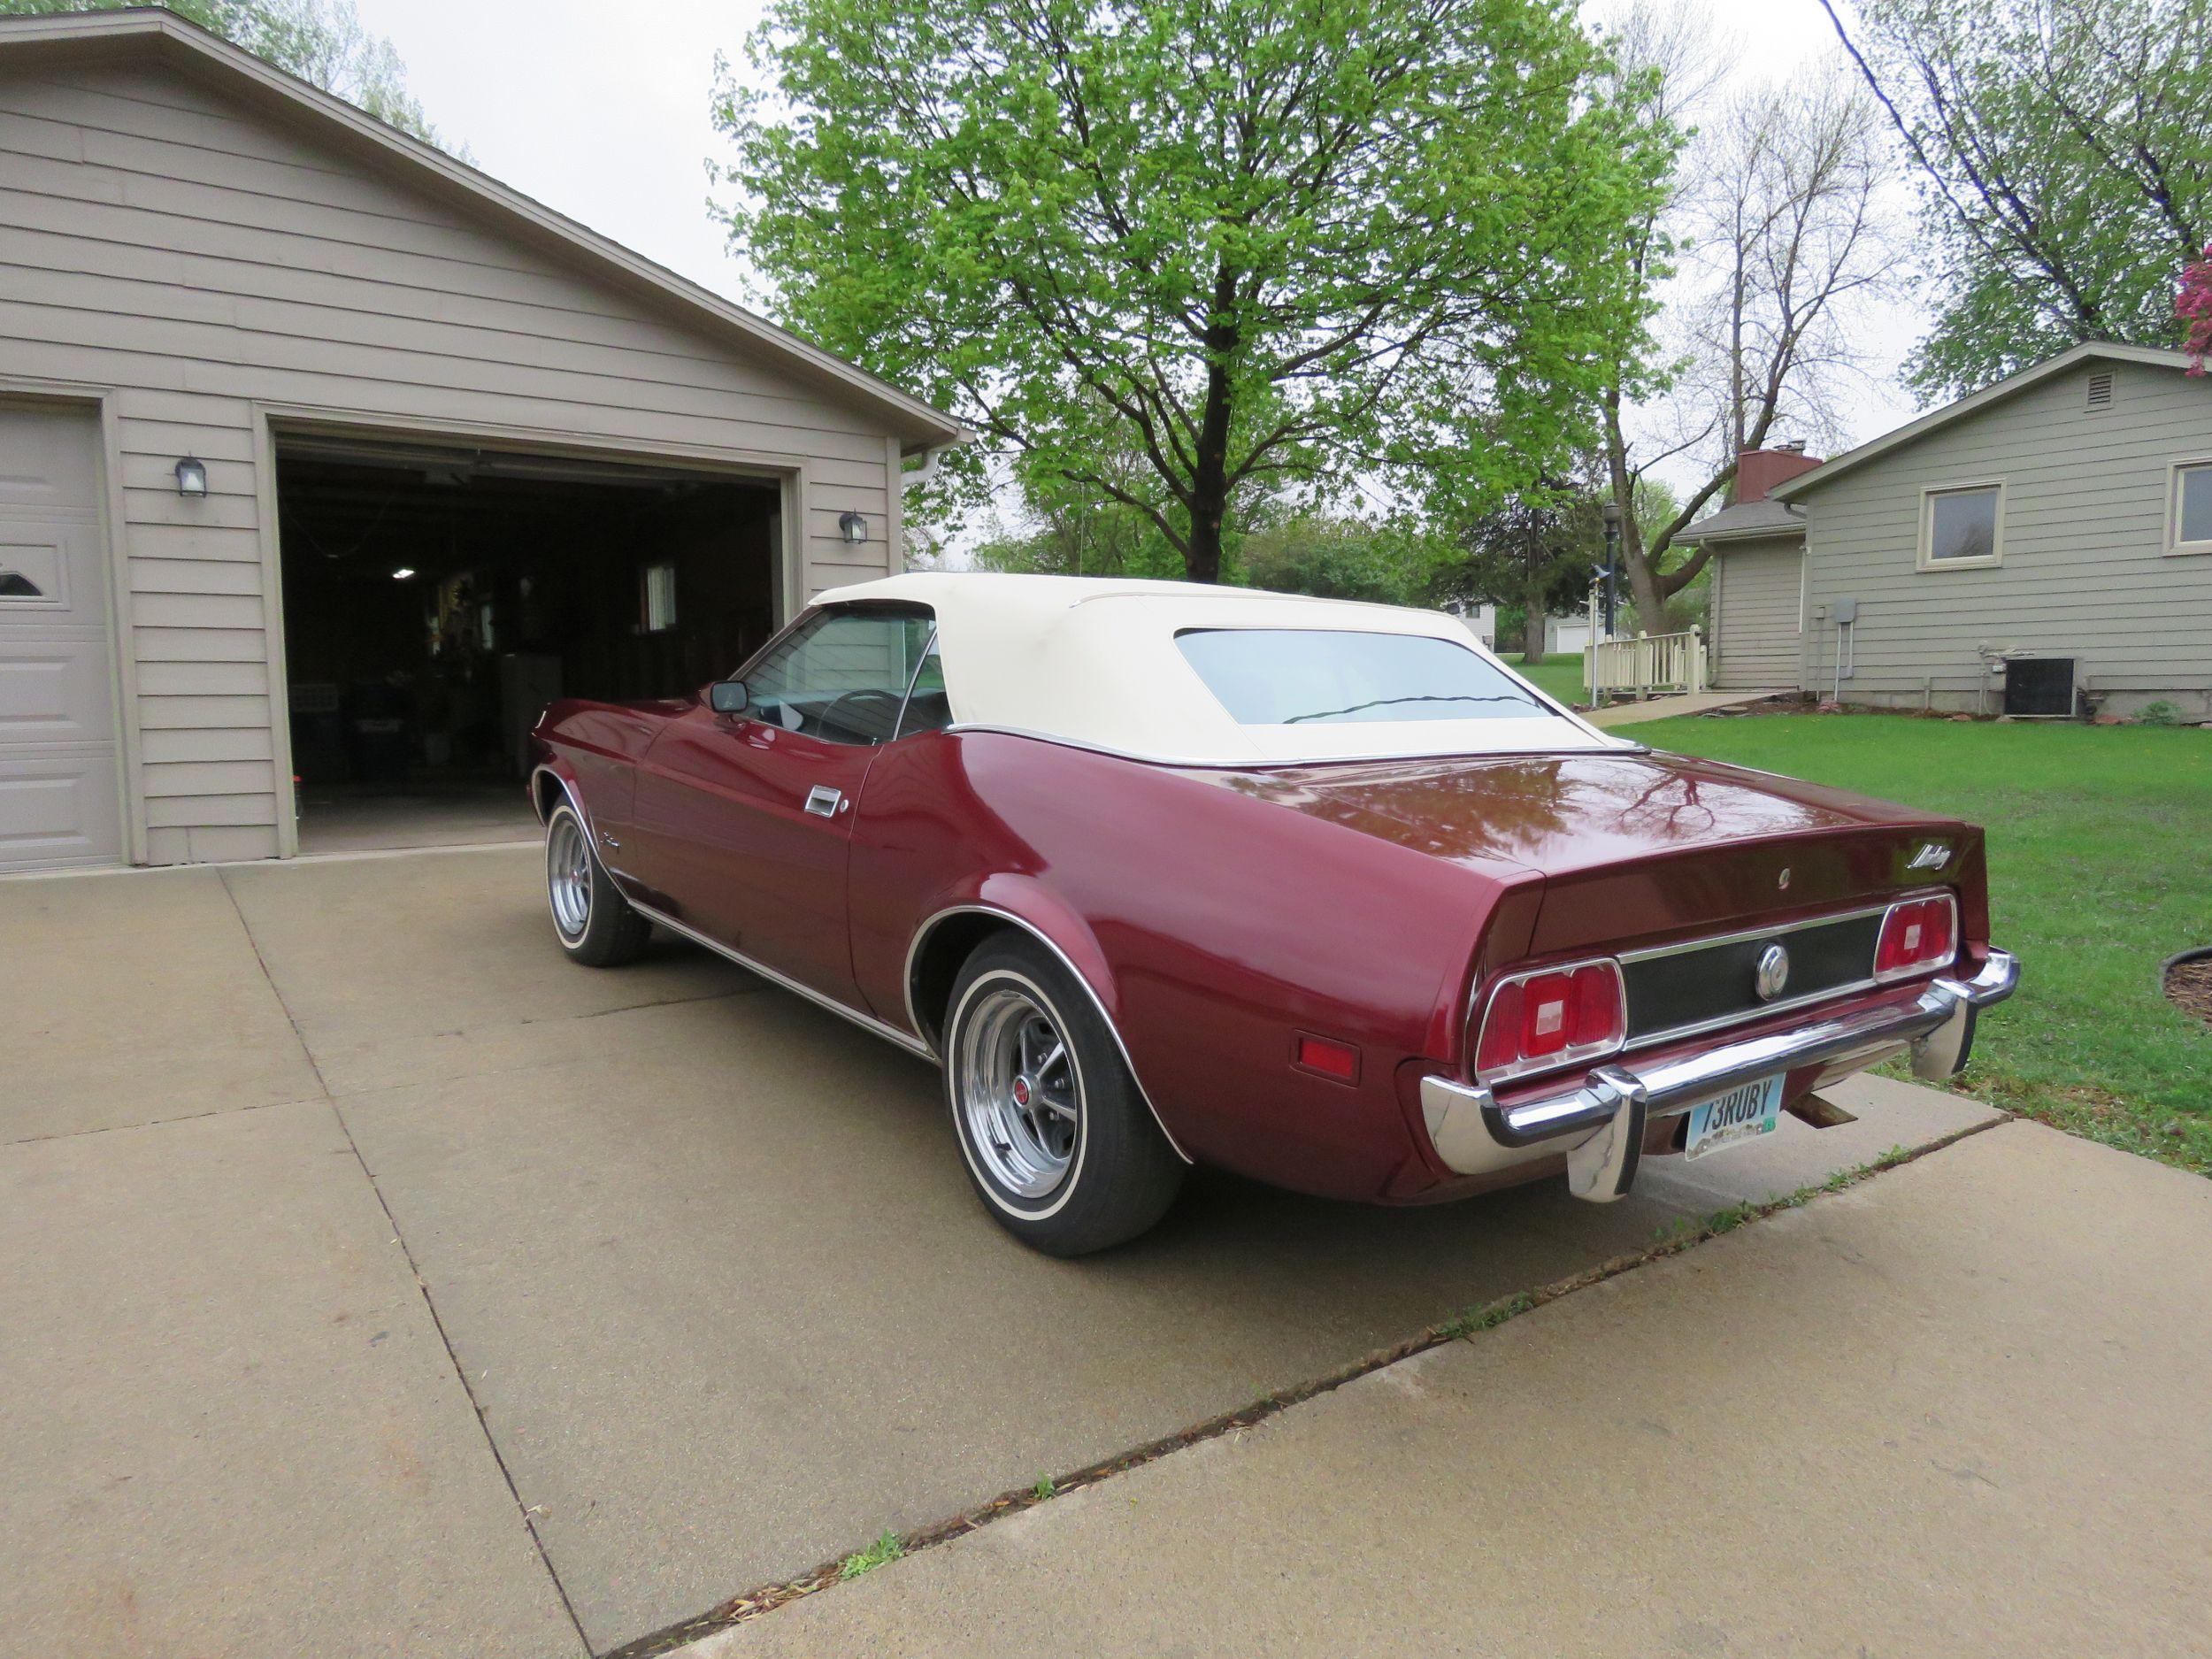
(601, 112)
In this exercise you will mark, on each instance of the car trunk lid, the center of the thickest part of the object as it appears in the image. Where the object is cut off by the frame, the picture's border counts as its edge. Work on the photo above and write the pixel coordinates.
(1636, 848)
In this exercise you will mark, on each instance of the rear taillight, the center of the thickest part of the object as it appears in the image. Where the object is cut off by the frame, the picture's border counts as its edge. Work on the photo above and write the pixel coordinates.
(1918, 936)
(1553, 1017)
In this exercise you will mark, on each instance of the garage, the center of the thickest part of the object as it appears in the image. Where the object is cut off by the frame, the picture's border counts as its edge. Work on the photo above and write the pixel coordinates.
(436, 599)
(329, 460)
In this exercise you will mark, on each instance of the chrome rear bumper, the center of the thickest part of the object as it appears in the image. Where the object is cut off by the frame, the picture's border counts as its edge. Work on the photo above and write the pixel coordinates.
(1601, 1125)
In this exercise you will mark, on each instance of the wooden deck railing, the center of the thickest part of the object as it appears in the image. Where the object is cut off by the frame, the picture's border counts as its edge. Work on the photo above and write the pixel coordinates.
(1647, 664)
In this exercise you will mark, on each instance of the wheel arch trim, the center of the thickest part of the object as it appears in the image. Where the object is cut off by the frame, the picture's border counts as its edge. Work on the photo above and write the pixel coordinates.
(547, 768)
(922, 934)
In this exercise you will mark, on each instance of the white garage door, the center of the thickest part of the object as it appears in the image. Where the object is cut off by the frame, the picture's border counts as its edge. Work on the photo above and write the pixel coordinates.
(1756, 637)
(57, 766)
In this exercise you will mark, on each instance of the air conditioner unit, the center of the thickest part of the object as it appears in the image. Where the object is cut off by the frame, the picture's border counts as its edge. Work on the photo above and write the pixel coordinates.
(2039, 686)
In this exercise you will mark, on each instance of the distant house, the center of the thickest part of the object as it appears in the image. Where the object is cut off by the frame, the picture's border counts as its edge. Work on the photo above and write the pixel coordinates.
(1481, 621)
(1566, 636)
(2042, 547)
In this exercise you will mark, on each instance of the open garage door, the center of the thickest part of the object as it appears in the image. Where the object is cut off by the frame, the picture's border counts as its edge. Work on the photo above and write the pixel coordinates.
(436, 598)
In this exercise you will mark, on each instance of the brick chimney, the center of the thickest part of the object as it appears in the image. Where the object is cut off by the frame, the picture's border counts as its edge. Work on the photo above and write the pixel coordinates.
(1759, 471)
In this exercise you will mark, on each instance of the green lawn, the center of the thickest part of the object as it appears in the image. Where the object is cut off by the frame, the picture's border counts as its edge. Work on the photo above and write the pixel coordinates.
(2100, 867)
(1560, 676)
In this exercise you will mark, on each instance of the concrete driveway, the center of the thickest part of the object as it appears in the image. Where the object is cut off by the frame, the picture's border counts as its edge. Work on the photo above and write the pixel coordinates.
(381, 1282)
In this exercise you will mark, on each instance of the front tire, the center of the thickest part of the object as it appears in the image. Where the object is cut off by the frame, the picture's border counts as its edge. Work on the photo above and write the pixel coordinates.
(593, 921)
(1059, 1143)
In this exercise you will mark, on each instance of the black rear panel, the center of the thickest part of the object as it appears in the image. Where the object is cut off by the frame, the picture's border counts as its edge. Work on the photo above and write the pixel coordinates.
(1713, 983)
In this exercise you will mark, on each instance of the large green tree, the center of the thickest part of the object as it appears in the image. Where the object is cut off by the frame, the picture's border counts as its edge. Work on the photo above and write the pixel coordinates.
(322, 42)
(2064, 148)
(1273, 246)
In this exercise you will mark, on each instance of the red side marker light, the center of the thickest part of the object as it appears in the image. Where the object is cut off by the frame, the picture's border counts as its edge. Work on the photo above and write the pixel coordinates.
(1338, 1060)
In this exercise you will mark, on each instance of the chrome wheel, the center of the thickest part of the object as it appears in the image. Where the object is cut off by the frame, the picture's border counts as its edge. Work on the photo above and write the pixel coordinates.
(1018, 1091)
(568, 874)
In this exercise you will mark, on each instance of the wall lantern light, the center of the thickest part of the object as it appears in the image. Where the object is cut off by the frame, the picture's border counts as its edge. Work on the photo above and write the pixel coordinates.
(402, 574)
(855, 527)
(191, 478)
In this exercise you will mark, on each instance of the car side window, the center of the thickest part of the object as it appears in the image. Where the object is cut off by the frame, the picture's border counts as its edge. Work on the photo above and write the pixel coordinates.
(927, 708)
(843, 676)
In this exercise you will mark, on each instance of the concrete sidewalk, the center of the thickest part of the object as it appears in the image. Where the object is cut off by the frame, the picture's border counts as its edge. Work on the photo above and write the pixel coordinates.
(1958, 1410)
(1667, 708)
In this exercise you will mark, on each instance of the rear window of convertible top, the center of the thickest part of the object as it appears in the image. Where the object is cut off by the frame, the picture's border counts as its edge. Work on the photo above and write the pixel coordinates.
(1331, 676)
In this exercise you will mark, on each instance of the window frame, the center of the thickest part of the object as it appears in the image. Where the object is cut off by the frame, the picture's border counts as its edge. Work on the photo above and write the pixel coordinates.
(818, 615)
(899, 734)
(1926, 561)
(2175, 548)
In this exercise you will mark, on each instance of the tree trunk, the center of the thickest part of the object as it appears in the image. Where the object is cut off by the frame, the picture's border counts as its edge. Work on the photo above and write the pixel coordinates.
(1643, 582)
(1201, 558)
(1210, 470)
(1533, 632)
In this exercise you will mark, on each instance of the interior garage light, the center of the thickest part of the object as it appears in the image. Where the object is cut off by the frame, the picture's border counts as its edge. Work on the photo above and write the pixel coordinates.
(402, 573)
(855, 527)
(192, 477)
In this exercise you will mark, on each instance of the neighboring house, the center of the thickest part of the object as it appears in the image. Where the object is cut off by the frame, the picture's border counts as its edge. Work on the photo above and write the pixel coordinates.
(2044, 546)
(1481, 621)
(322, 452)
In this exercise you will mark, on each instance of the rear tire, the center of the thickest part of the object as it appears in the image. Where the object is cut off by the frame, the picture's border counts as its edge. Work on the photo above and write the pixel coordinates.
(1059, 1143)
(593, 921)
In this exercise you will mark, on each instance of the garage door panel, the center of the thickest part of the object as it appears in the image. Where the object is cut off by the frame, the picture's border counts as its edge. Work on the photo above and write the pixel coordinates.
(52, 691)
(34, 571)
(58, 793)
(45, 460)
(57, 809)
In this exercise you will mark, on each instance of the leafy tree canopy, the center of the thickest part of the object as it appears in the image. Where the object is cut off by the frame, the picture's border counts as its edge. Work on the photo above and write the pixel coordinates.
(322, 42)
(2064, 152)
(1269, 246)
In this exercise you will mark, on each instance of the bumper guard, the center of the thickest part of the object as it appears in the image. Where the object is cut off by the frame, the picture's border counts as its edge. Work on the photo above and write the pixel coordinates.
(1601, 1125)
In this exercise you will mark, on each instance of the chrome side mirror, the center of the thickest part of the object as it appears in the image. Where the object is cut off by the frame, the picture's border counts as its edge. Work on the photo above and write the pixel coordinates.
(727, 696)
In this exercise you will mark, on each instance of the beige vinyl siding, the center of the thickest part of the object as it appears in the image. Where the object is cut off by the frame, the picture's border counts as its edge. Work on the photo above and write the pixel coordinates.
(2084, 571)
(1757, 590)
(201, 262)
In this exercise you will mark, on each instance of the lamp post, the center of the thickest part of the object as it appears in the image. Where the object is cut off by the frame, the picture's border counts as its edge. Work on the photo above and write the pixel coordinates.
(1612, 565)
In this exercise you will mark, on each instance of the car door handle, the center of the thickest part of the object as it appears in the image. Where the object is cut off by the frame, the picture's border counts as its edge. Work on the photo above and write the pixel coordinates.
(825, 802)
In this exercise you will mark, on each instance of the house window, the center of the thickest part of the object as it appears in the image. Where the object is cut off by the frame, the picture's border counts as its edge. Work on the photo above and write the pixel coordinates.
(1961, 526)
(2189, 511)
(660, 597)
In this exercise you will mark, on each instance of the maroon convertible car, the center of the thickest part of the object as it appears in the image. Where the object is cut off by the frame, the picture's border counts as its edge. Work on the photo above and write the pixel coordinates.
(1316, 892)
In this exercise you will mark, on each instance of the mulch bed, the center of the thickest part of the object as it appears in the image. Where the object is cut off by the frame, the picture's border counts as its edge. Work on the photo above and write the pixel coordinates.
(2189, 987)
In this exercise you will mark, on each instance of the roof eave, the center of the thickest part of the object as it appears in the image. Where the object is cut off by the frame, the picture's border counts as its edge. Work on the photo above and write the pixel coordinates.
(1761, 533)
(1850, 460)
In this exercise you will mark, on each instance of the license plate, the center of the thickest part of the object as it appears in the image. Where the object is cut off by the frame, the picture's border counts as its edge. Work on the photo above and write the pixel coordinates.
(1744, 1113)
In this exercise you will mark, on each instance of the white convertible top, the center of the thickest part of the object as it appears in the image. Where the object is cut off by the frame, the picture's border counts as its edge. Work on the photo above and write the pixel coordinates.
(1090, 661)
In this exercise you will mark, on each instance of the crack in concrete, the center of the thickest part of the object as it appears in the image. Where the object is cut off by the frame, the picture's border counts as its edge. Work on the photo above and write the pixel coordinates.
(765, 1599)
(159, 1123)
(422, 1285)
